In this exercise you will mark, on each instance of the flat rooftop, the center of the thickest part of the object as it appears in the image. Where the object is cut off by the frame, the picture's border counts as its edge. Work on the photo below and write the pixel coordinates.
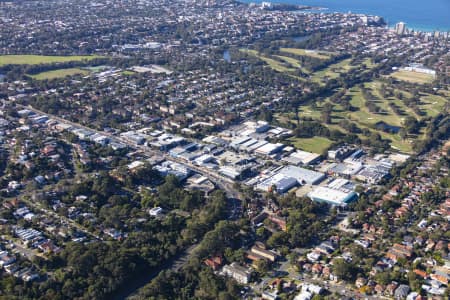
(332, 196)
(302, 175)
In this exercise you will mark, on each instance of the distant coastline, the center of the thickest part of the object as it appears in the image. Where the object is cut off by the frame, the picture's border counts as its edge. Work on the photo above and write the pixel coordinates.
(419, 16)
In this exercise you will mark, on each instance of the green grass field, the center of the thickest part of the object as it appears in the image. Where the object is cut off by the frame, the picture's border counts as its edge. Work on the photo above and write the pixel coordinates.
(333, 71)
(59, 73)
(128, 73)
(365, 117)
(304, 52)
(316, 144)
(285, 64)
(413, 77)
(41, 59)
(431, 105)
(274, 64)
(292, 61)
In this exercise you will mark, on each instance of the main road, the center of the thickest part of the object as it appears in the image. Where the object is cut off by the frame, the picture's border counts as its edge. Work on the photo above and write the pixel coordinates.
(221, 182)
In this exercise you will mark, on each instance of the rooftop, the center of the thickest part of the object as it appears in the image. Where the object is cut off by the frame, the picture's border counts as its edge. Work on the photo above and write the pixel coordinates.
(334, 197)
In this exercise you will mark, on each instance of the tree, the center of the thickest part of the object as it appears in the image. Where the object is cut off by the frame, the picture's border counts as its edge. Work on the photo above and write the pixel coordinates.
(277, 239)
(411, 125)
(260, 232)
(403, 133)
(414, 281)
(343, 269)
(262, 266)
(383, 278)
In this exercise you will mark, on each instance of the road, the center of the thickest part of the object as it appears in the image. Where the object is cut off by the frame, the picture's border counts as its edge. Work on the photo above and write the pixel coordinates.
(174, 264)
(221, 182)
(63, 219)
(284, 270)
(183, 258)
(26, 252)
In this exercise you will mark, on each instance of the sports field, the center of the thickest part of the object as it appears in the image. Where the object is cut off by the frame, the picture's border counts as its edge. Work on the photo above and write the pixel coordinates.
(304, 52)
(41, 59)
(413, 77)
(59, 73)
(316, 144)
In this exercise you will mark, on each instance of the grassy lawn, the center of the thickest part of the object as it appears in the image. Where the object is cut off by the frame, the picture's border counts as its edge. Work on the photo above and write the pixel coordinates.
(309, 112)
(316, 144)
(368, 63)
(364, 119)
(128, 72)
(363, 116)
(41, 59)
(332, 71)
(292, 61)
(303, 52)
(59, 73)
(433, 104)
(286, 64)
(384, 104)
(413, 77)
(276, 65)
(397, 143)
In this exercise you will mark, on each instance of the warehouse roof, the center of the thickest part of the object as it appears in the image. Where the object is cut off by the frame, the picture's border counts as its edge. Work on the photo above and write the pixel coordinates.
(334, 197)
(301, 157)
(302, 175)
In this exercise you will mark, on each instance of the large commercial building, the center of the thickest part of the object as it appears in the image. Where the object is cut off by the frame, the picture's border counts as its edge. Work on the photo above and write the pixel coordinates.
(279, 182)
(332, 196)
(283, 179)
(341, 153)
(172, 168)
(258, 126)
(302, 175)
(167, 141)
(302, 158)
(269, 149)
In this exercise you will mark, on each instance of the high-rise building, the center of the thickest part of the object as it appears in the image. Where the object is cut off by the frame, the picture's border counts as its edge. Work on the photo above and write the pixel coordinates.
(266, 5)
(400, 28)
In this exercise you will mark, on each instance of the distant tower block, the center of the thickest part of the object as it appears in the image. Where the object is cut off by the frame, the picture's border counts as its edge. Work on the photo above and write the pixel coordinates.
(400, 28)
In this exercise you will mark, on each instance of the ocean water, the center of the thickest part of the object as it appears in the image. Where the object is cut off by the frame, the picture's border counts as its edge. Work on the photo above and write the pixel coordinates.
(424, 15)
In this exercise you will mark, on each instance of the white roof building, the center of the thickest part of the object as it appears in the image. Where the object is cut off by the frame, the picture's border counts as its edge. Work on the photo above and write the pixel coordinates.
(304, 296)
(155, 211)
(332, 196)
(302, 175)
(281, 183)
(135, 164)
(313, 288)
(269, 149)
(302, 158)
